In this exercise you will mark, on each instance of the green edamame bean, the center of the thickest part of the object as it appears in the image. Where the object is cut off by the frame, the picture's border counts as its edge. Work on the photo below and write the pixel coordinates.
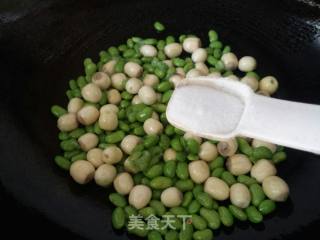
(158, 207)
(129, 53)
(226, 49)
(193, 146)
(218, 162)
(179, 211)
(119, 66)
(90, 69)
(130, 211)
(161, 44)
(253, 214)
(122, 48)
(126, 96)
(171, 235)
(79, 156)
(212, 218)
(212, 60)
(184, 185)
(186, 233)
(197, 189)
(169, 169)
(154, 235)
(217, 53)
(58, 111)
(176, 144)
(115, 137)
(150, 41)
(246, 180)
(134, 125)
(113, 51)
(73, 84)
(279, 157)
(187, 199)
(70, 154)
(170, 39)
(203, 235)
(155, 171)
(164, 86)
(155, 158)
(182, 171)
(225, 216)
(159, 72)
(151, 140)
(147, 212)
(159, 107)
(182, 38)
(188, 66)
(62, 162)
(257, 194)
(178, 62)
(69, 145)
(219, 65)
(63, 136)
(216, 44)
(238, 213)
(156, 150)
(144, 114)
(77, 133)
(194, 207)
(181, 157)
(143, 161)
(213, 35)
(217, 172)
(164, 141)
(261, 152)
(97, 130)
(161, 182)
(118, 200)
(205, 200)
(69, 94)
(159, 26)
(142, 231)
(124, 104)
(228, 178)
(244, 146)
(198, 222)
(267, 206)
(137, 149)
(166, 96)
(169, 130)
(118, 218)
(139, 131)
(124, 126)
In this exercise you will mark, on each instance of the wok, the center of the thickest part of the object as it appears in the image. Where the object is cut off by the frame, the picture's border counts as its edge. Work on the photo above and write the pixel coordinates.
(43, 43)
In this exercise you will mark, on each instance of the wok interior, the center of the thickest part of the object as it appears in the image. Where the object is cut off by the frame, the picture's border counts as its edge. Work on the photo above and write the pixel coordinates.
(44, 43)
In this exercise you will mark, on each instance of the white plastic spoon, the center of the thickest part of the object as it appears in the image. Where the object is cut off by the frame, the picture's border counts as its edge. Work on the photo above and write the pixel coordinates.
(220, 108)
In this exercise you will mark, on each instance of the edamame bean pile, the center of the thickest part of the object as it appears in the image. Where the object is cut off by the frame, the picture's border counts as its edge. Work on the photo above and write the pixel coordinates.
(167, 184)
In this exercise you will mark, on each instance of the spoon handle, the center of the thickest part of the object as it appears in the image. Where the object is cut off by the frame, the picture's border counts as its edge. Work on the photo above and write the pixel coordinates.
(287, 123)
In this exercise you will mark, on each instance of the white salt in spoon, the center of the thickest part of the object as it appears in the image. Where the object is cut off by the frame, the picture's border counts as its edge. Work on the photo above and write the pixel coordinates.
(220, 108)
